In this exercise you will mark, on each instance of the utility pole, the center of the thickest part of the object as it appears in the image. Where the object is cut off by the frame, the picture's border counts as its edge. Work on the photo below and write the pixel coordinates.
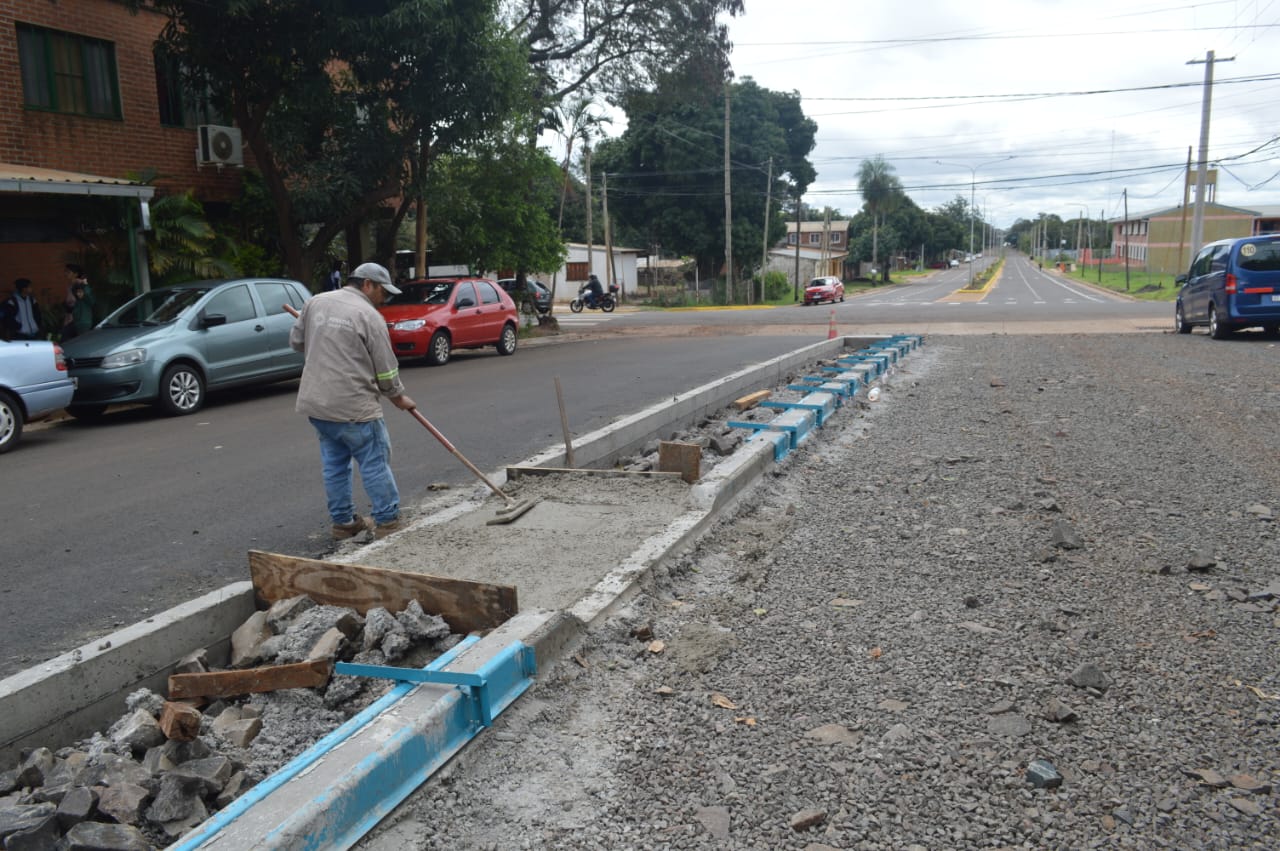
(586, 152)
(728, 207)
(1182, 228)
(1202, 163)
(610, 273)
(1102, 217)
(764, 257)
(796, 282)
(1126, 240)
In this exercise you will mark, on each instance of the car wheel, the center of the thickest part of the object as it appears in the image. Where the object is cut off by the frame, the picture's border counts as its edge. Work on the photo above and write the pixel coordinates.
(576, 305)
(439, 349)
(181, 390)
(88, 413)
(841, 297)
(1217, 330)
(507, 342)
(1180, 323)
(526, 307)
(10, 422)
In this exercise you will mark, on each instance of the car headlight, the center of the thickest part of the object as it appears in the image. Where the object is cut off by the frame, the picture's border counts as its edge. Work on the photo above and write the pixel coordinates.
(409, 325)
(129, 357)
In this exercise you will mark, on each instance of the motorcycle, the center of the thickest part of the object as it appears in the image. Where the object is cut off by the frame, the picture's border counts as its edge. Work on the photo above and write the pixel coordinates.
(606, 301)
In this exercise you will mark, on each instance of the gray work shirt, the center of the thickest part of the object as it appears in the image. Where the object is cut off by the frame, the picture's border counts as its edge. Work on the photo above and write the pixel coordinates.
(350, 364)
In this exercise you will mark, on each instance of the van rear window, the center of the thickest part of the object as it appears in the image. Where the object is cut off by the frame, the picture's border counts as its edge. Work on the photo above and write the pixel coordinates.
(1260, 256)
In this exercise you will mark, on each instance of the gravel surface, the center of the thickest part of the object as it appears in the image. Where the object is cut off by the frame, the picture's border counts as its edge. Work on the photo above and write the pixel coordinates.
(1030, 549)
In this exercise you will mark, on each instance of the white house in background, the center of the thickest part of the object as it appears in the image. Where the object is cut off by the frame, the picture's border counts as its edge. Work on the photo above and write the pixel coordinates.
(576, 269)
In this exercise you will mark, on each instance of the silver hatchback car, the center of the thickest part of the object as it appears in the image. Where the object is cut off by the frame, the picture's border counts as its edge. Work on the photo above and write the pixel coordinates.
(172, 345)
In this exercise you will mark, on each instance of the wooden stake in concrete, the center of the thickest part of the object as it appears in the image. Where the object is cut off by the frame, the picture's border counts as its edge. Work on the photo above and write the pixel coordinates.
(682, 458)
(564, 426)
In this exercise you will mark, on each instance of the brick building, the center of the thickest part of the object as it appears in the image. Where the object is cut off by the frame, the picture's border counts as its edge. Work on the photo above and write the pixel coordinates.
(86, 102)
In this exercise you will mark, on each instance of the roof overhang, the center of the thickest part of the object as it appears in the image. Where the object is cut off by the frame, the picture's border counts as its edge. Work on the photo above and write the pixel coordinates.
(30, 180)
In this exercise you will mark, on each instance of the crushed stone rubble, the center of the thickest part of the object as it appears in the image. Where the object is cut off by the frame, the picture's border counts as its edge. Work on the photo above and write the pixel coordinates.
(132, 787)
(1028, 599)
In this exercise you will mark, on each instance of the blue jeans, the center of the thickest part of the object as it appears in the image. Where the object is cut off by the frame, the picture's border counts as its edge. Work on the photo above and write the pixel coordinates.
(370, 446)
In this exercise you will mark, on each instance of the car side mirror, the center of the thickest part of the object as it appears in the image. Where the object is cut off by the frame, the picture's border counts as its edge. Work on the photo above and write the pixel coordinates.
(209, 320)
(1180, 279)
(465, 301)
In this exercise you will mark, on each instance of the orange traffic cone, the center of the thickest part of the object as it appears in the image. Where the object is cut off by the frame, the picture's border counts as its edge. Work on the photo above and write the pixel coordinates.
(831, 328)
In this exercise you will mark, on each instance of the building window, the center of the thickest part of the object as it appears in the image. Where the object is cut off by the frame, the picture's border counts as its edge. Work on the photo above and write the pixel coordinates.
(815, 238)
(178, 106)
(836, 237)
(791, 238)
(68, 73)
(575, 271)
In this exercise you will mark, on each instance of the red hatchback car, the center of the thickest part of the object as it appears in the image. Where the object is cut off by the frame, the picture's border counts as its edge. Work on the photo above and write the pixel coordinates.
(827, 288)
(432, 317)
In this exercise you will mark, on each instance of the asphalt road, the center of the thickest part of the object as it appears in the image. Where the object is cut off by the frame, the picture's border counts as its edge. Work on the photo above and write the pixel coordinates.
(110, 522)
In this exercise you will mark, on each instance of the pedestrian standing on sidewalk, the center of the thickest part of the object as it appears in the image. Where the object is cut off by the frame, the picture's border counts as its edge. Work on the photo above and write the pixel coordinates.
(349, 366)
(20, 314)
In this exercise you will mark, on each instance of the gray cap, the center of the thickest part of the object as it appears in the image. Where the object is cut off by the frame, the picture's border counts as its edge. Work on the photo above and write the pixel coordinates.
(374, 272)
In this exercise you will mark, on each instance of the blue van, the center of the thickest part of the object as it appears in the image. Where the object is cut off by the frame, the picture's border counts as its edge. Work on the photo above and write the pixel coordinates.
(1232, 284)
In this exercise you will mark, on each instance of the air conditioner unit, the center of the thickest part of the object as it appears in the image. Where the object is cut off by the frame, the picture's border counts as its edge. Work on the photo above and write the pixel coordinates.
(219, 145)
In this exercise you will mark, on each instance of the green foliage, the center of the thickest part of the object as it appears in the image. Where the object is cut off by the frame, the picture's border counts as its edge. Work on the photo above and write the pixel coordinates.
(666, 172)
(183, 245)
(493, 208)
(340, 100)
(776, 285)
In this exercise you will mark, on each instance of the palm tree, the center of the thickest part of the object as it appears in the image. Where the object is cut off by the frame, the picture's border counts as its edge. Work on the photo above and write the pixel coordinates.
(574, 119)
(881, 191)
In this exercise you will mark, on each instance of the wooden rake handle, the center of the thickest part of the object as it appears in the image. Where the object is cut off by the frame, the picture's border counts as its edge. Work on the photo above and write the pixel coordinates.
(444, 441)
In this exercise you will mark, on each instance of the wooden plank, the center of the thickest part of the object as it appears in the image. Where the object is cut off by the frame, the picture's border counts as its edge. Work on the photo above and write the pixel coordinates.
(465, 605)
(750, 400)
(682, 458)
(251, 680)
(516, 471)
(180, 721)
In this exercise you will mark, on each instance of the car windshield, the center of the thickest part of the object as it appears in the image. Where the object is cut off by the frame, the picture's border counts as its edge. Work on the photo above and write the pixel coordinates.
(436, 292)
(1265, 256)
(157, 307)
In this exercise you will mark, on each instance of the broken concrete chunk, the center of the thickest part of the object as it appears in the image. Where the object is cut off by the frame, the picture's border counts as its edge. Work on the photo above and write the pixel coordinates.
(805, 819)
(41, 836)
(193, 663)
(421, 626)
(97, 836)
(1042, 775)
(76, 806)
(210, 773)
(1056, 710)
(1089, 675)
(377, 623)
(1065, 537)
(144, 699)
(123, 802)
(247, 640)
(22, 817)
(176, 828)
(329, 645)
(38, 765)
(241, 733)
(230, 791)
(1202, 560)
(108, 769)
(176, 799)
(138, 731)
(283, 612)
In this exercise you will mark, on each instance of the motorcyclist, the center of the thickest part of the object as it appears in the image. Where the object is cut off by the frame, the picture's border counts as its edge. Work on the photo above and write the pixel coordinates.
(594, 291)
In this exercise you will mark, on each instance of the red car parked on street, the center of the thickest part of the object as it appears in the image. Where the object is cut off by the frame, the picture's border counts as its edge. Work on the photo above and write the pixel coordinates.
(827, 288)
(431, 317)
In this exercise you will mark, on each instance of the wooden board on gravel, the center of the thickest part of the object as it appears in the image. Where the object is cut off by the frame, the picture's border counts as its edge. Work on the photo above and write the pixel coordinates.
(465, 605)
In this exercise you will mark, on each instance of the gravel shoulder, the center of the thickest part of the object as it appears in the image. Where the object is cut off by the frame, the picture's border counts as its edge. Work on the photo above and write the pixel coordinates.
(1060, 549)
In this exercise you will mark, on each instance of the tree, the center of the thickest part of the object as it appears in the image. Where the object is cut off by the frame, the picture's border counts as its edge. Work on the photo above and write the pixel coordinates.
(482, 222)
(618, 45)
(342, 102)
(881, 192)
(666, 172)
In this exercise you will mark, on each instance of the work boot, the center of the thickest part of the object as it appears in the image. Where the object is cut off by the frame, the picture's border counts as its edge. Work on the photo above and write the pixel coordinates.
(382, 530)
(358, 524)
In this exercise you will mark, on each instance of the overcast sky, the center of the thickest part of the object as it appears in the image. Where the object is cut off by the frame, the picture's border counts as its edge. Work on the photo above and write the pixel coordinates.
(984, 87)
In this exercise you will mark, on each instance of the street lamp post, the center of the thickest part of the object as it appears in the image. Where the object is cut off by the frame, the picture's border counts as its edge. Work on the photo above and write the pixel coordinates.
(973, 183)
